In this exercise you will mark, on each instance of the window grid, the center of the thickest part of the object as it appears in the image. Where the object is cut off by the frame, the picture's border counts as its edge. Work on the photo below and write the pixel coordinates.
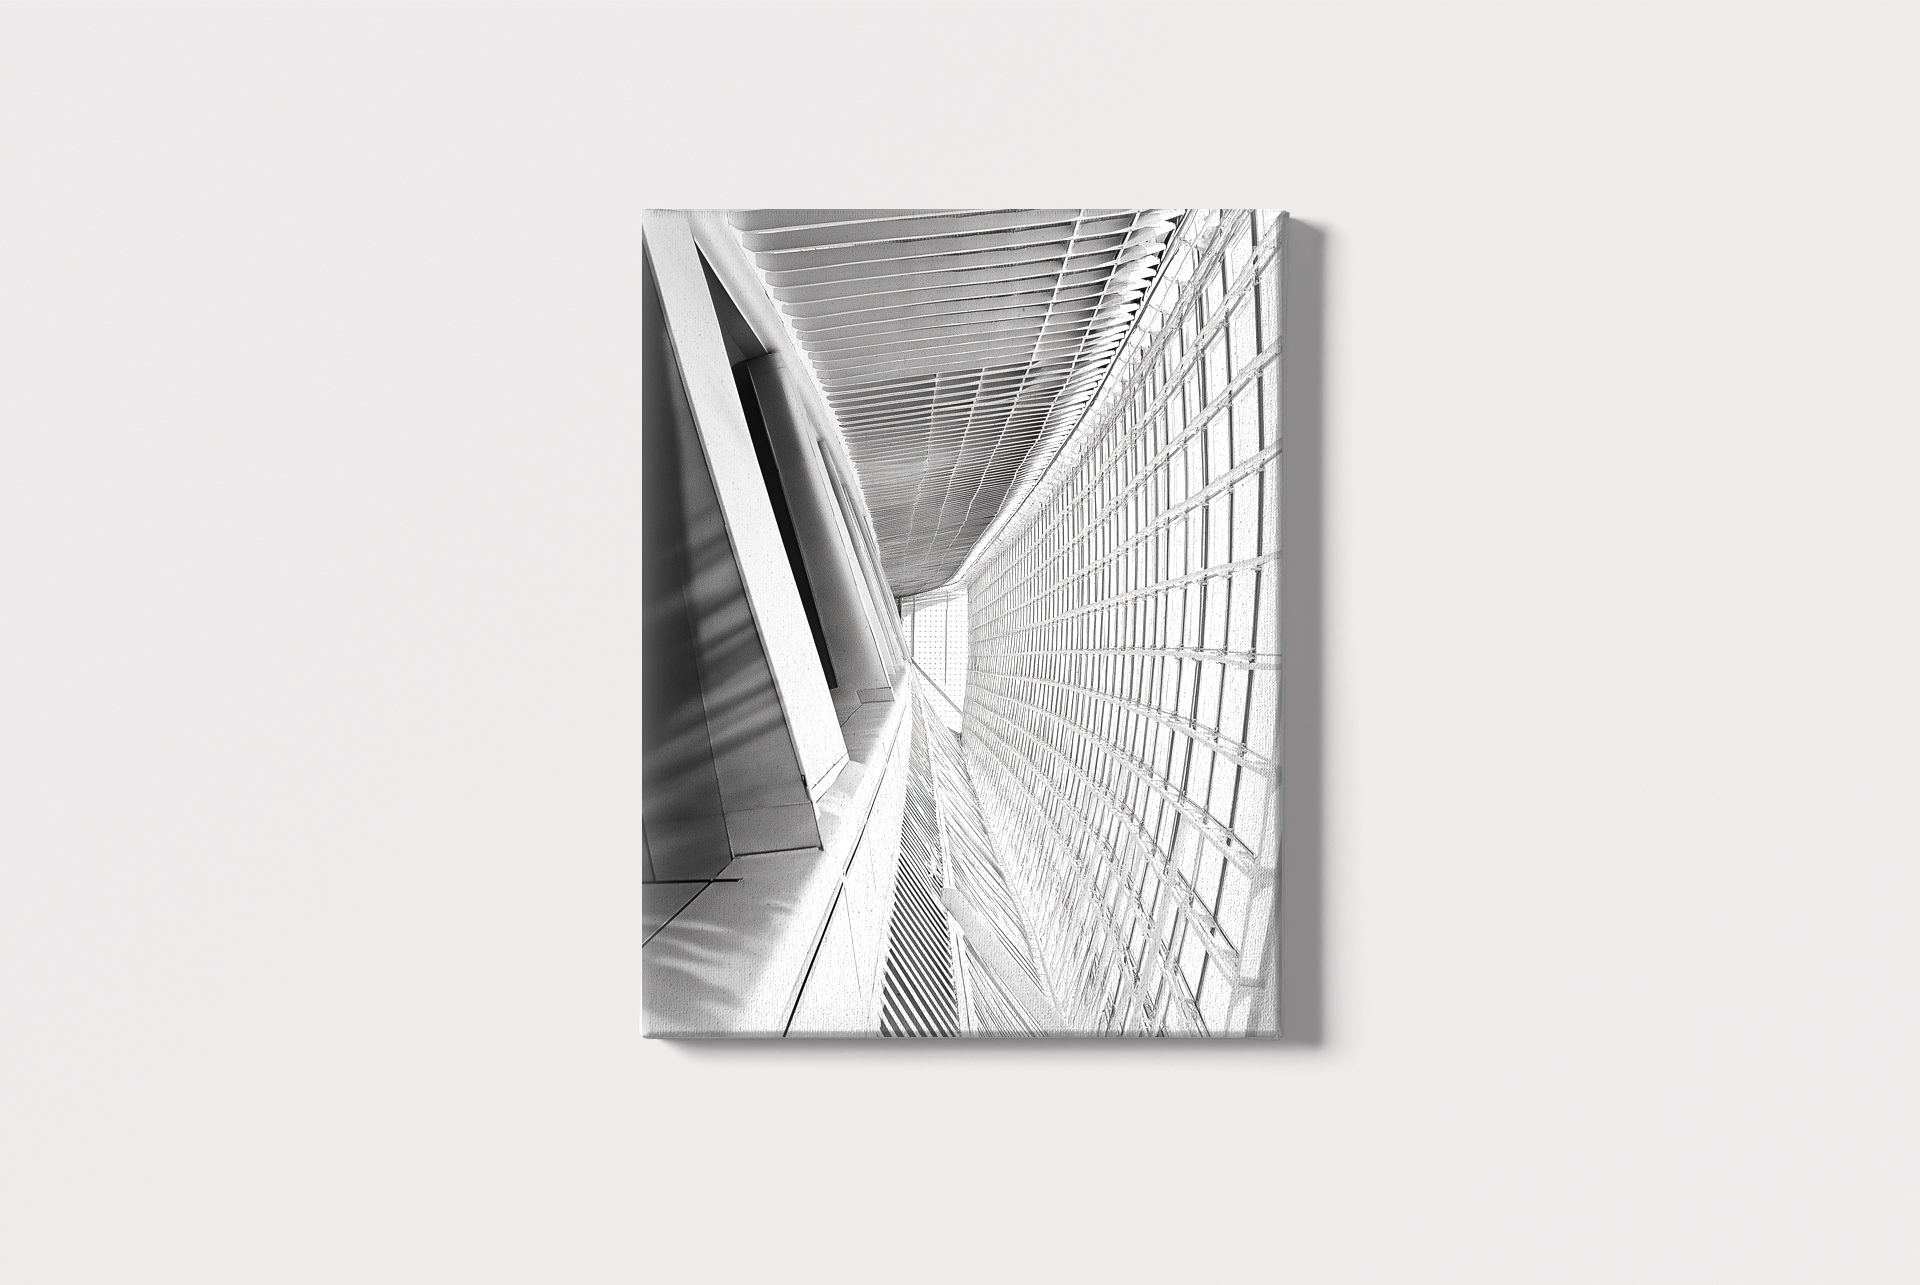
(1122, 708)
(936, 629)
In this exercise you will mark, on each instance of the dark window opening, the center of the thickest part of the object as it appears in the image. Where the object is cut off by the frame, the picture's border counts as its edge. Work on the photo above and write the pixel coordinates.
(777, 495)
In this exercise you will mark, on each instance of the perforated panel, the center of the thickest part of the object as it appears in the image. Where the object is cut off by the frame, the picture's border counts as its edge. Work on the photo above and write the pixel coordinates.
(936, 629)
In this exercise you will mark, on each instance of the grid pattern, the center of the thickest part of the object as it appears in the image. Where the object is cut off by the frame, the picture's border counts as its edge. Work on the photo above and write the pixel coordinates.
(918, 994)
(935, 982)
(936, 628)
(952, 346)
(1123, 704)
(988, 1006)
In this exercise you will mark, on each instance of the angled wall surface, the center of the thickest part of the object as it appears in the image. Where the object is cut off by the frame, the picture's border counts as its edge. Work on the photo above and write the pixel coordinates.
(1039, 799)
(853, 628)
(723, 775)
(773, 790)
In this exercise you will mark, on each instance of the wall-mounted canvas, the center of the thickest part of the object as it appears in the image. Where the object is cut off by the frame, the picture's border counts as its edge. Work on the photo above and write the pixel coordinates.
(962, 599)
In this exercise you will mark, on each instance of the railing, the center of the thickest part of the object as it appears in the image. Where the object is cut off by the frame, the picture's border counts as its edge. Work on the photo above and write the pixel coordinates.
(952, 714)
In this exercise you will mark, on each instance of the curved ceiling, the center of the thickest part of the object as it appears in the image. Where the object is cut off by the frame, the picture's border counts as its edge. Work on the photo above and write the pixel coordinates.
(955, 347)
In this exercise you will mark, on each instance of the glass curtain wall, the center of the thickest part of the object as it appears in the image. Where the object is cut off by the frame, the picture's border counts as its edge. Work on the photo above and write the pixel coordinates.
(1122, 716)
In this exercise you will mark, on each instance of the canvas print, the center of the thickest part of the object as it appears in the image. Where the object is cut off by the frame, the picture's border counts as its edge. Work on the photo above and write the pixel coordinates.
(962, 620)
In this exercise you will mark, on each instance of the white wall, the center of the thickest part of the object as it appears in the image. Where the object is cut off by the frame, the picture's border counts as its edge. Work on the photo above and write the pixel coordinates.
(318, 570)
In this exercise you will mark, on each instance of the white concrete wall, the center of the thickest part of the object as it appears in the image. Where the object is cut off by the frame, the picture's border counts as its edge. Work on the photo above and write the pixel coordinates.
(320, 696)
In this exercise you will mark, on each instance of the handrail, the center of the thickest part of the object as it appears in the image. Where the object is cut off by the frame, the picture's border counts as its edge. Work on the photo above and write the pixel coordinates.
(957, 707)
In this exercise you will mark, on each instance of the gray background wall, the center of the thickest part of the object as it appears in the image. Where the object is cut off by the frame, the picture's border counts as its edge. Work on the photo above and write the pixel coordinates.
(319, 572)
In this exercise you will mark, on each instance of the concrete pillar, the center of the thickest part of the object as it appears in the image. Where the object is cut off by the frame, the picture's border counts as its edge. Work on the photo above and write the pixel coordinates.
(854, 637)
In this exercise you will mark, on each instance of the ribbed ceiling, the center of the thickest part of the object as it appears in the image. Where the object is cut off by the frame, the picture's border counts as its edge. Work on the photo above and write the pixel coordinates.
(953, 346)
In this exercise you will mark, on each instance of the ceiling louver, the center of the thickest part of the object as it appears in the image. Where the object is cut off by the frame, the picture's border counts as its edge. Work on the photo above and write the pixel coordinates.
(954, 346)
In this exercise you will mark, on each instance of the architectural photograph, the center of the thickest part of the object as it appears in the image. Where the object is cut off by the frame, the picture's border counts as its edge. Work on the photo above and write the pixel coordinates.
(962, 619)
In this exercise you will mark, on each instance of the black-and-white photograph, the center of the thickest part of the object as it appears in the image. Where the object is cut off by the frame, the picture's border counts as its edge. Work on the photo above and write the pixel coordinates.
(962, 611)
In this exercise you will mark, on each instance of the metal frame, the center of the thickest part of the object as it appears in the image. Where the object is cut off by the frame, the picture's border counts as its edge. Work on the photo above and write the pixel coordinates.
(1121, 718)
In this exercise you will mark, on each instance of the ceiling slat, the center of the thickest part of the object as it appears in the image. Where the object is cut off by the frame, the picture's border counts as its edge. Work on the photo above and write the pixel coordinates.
(952, 346)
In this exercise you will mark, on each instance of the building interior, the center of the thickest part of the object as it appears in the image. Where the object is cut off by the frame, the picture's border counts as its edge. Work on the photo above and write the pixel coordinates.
(962, 612)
